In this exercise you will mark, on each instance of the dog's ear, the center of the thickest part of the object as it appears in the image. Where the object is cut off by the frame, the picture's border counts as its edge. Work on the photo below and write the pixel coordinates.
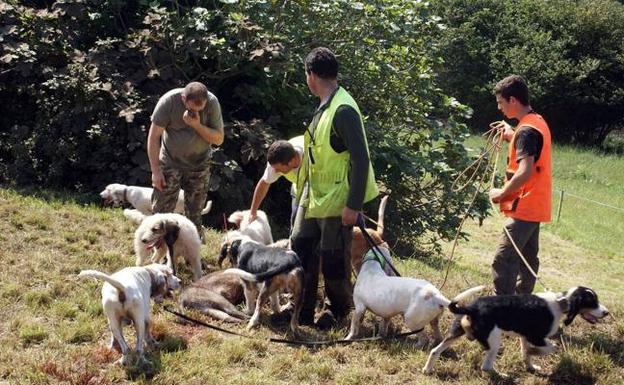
(159, 285)
(234, 251)
(223, 253)
(574, 306)
(172, 230)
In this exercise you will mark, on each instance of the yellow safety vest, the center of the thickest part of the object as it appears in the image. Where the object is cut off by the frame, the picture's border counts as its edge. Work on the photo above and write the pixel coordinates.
(327, 170)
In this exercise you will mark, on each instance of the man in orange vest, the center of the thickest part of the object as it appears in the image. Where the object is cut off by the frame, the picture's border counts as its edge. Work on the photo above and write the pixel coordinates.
(526, 195)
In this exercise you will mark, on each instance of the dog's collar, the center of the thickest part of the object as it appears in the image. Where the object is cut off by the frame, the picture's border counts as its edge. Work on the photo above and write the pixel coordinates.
(372, 255)
(126, 194)
(564, 304)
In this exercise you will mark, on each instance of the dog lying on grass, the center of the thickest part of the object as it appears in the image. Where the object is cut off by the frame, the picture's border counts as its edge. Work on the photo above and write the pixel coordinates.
(140, 198)
(216, 295)
(419, 302)
(126, 295)
(532, 317)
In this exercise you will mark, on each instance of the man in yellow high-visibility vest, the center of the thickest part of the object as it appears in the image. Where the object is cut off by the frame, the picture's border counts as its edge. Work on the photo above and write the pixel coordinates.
(338, 180)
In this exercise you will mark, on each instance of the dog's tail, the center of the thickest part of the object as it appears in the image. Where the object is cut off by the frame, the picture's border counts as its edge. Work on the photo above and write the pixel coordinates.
(134, 216)
(207, 209)
(380, 215)
(104, 277)
(260, 277)
(453, 306)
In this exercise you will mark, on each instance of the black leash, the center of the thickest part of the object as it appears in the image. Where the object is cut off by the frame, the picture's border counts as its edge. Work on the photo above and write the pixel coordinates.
(371, 243)
(343, 342)
(202, 323)
(169, 309)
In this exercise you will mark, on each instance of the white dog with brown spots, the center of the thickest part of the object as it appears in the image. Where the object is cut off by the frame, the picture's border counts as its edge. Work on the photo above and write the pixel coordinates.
(126, 295)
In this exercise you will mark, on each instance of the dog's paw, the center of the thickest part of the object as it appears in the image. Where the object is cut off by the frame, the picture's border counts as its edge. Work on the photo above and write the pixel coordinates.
(289, 306)
(124, 360)
(426, 370)
(252, 323)
(534, 368)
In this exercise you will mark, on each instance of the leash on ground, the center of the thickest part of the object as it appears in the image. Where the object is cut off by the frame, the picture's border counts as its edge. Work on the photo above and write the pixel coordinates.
(171, 310)
(373, 245)
(345, 342)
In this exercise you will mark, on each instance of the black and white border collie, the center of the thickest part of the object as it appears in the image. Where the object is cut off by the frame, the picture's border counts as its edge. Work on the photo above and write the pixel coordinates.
(532, 317)
(265, 271)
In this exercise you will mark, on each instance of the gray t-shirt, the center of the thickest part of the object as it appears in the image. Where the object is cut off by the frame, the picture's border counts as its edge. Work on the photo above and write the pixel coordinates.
(181, 146)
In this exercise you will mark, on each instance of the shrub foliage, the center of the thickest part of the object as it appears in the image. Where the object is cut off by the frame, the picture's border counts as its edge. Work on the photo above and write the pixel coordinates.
(570, 52)
(78, 82)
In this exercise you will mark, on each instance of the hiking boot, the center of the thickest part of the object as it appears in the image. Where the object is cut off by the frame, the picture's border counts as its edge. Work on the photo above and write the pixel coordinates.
(306, 319)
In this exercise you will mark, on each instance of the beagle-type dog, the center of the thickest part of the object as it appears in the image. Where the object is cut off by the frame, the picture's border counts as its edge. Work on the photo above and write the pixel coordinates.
(126, 295)
(265, 272)
(140, 198)
(168, 236)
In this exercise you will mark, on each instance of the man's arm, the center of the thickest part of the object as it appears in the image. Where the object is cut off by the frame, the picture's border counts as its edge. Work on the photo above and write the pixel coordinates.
(153, 152)
(349, 128)
(505, 130)
(522, 175)
(209, 134)
(259, 194)
(528, 144)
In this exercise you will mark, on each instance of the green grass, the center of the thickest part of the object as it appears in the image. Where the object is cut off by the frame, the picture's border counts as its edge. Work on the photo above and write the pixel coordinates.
(53, 330)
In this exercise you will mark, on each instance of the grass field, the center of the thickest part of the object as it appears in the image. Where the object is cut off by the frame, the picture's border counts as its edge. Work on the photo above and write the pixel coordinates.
(53, 331)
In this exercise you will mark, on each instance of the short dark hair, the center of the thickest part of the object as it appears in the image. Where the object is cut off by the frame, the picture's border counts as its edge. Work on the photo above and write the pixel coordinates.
(281, 152)
(322, 62)
(195, 92)
(513, 85)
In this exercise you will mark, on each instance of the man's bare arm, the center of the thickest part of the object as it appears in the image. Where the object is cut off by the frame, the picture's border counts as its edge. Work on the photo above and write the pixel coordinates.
(153, 151)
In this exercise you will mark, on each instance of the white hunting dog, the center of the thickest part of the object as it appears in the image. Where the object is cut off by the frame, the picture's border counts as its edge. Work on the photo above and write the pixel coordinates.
(168, 234)
(126, 294)
(259, 230)
(417, 300)
(140, 198)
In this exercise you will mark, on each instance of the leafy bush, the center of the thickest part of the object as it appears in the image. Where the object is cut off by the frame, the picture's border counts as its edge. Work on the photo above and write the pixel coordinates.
(79, 81)
(570, 52)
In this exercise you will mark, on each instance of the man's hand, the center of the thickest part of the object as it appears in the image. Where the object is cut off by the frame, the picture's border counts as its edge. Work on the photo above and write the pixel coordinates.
(158, 180)
(504, 129)
(496, 194)
(253, 214)
(349, 216)
(191, 118)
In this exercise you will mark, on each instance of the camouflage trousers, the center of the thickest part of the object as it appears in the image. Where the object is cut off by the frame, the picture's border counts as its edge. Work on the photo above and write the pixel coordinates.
(195, 186)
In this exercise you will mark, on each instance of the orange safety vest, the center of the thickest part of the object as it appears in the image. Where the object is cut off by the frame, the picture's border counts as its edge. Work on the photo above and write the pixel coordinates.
(533, 201)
